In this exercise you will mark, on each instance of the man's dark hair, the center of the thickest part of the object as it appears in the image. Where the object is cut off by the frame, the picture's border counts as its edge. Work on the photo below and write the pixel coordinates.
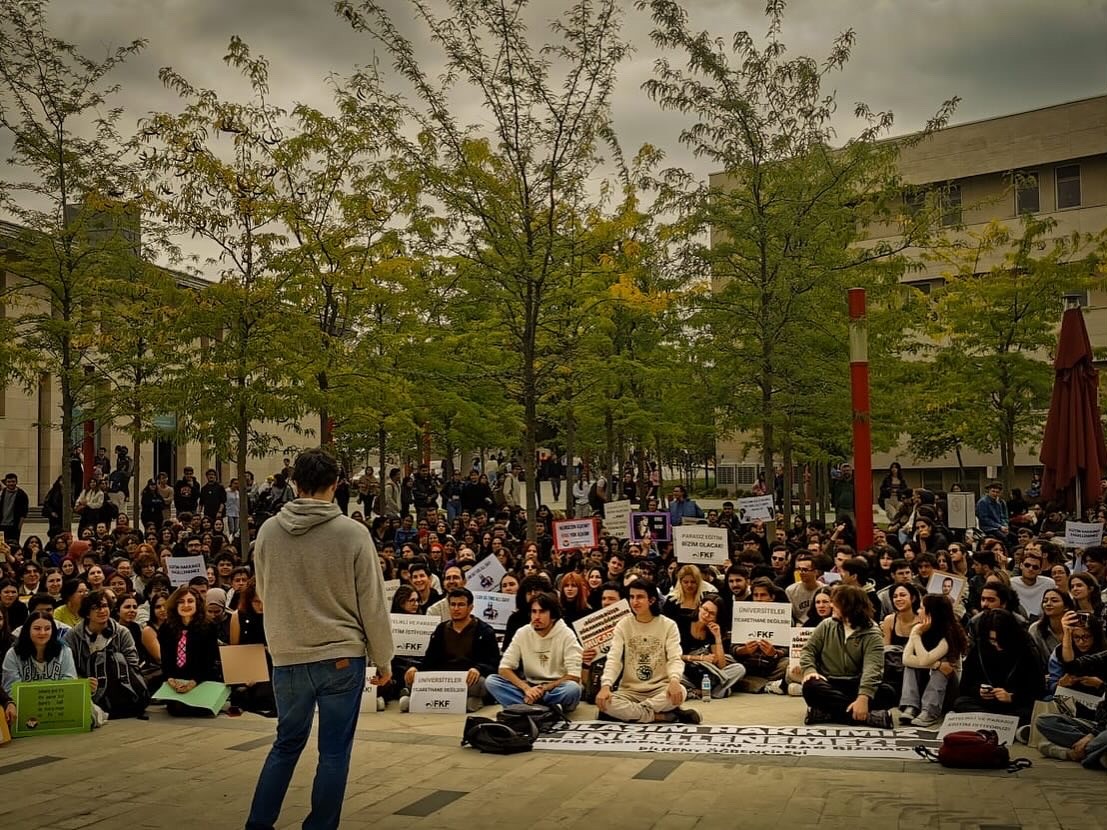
(535, 582)
(927, 557)
(315, 470)
(418, 565)
(614, 586)
(900, 565)
(1002, 592)
(1096, 553)
(454, 593)
(69, 588)
(738, 570)
(198, 581)
(985, 557)
(549, 601)
(40, 599)
(645, 584)
(858, 567)
(92, 600)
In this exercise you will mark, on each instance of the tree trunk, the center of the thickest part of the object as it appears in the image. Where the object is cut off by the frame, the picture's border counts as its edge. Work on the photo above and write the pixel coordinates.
(530, 437)
(382, 447)
(326, 436)
(67, 440)
(570, 468)
(609, 443)
(136, 491)
(786, 508)
(240, 463)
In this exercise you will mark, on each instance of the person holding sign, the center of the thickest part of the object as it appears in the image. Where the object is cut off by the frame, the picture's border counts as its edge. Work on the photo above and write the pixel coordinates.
(764, 663)
(645, 652)
(321, 583)
(843, 665)
(550, 656)
(38, 654)
(461, 643)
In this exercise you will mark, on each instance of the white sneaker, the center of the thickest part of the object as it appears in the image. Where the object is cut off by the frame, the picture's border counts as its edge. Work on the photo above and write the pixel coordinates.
(380, 703)
(405, 703)
(926, 719)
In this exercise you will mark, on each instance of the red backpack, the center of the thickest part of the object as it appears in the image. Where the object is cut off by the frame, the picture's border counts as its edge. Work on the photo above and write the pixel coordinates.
(973, 750)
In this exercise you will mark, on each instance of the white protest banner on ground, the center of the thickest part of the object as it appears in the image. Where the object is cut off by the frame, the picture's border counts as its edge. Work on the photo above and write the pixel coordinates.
(493, 608)
(1078, 697)
(369, 695)
(574, 534)
(1083, 534)
(770, 621)
(616, 518)
(485, 575)
(962, 510)
(800, 636)
(390, 588)
(182, 569)
(722, 739)
(701, 545)
(411, 633)
(1003, 725)
(755, 507)
(439, 693)
(598, 628)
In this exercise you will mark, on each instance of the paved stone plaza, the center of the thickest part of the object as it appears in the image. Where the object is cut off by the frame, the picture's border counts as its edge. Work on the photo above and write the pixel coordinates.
(409, 771)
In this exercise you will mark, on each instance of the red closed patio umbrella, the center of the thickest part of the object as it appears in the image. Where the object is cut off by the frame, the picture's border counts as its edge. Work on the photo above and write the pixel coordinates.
(1073, 454)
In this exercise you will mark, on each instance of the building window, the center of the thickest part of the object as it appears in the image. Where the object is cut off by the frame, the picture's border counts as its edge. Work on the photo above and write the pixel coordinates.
(932, 480)
(914, 200)
(1027, 197)
(1068, 186)
(951, 205)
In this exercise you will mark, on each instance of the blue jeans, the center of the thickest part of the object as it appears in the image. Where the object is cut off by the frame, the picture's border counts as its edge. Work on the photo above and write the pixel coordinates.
(1065, 731)
(505, 693)
(337, 691)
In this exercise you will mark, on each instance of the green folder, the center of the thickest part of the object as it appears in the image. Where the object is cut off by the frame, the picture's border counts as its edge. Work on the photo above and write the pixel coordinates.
(52, 707)
(209, 695)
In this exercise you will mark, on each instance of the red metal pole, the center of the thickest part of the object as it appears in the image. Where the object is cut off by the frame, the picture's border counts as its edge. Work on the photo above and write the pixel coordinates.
(862, 422)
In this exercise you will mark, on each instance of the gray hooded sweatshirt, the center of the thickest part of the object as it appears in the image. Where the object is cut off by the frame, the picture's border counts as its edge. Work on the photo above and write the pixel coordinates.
(321, 582)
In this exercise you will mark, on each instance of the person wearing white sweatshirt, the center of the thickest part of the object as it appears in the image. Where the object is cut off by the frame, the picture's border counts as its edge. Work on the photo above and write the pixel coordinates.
(932, 655)
(645, 650)
(550, 656)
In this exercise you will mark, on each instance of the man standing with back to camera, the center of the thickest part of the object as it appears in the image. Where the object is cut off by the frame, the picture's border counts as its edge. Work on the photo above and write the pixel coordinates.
(320, 581)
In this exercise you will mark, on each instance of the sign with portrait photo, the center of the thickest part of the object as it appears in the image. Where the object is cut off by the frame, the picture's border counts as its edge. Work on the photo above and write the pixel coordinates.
(948, 585)
(650, 527)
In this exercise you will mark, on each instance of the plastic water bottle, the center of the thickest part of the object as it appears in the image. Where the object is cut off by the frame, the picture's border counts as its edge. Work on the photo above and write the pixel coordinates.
(705, 688)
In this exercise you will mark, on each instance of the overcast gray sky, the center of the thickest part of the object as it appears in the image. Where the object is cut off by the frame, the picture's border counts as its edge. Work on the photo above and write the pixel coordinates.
(999, 56)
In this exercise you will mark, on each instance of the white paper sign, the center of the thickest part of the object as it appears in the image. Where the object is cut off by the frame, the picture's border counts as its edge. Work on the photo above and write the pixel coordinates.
(962, 510)
(493, 608)
(369, 695)
(182, 569)
(946, 584)
(411, 633)
(755, 507)
(390, 588)
(770, 621)
(573, 534)
(830, 577)
(800, 636)
(701, 545)
(1003, 725)
(1078, 697)
(597, 628)
(485, 575)
(1081, 534)
(616, 518)
(439, 693)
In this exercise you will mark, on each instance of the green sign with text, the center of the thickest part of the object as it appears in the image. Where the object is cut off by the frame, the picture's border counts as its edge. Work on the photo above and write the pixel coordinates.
(52, 707)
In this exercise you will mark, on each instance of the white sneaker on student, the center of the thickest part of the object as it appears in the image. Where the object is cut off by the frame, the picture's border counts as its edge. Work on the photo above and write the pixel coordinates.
(380, 703)
(926, 719)
(405, 703)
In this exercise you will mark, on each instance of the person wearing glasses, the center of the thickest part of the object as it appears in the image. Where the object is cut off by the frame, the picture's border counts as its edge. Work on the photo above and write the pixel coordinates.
(1030, 585)
(1082, 664)
(104, 651)
(801, 593)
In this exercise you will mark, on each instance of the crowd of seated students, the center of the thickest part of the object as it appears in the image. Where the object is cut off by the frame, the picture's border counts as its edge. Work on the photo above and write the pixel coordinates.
(882, 648)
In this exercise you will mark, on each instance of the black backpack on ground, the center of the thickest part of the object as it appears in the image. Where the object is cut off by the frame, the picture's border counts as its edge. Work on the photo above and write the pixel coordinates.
(497, 738)
(545, 717)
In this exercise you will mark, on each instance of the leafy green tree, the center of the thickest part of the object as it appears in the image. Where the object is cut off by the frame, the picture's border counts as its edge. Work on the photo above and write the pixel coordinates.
(993, 326)
(510, 193)
(214, 175)
(67, 171)
(786, 217)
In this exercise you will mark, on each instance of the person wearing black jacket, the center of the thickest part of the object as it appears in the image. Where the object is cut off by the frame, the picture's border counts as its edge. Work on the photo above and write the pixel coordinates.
(461, 643)
(1002, 673)
(189, 648)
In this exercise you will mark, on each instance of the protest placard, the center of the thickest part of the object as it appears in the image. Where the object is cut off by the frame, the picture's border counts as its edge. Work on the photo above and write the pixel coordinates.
(182, 569)
(650, 527)
(439, 693)
(411, 633)
(701, 545)
(946, 585)
(493, 608)
(575, 534)
(1083, 534)
(616, 518)
(369, 694)
(598, 628)
(52, 707)
(800, 636)
(829, 578)
(962, 510)
(244, 664)
(755, 507)
(1003, 725)
(485, 575)
(1079, 699)
(390, 588)
(209, 695)
(770, 621)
